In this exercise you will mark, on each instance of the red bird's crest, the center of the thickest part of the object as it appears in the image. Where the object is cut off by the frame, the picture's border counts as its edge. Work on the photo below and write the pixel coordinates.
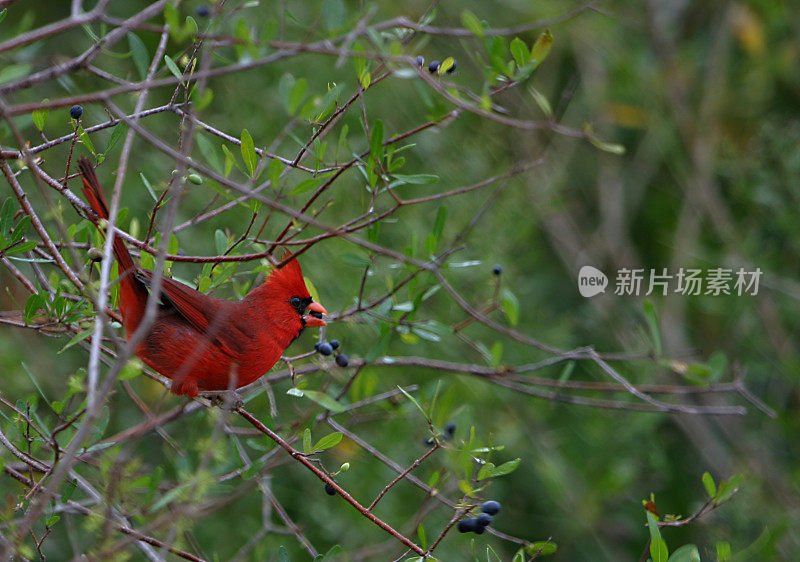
(289, 279)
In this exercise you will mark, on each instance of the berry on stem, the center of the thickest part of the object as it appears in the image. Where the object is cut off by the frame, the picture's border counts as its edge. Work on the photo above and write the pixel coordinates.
(491, 507)
(420, 60)
(324, 348)
(342, 360)
(497, 270)
(483, 519)
(76, 111)
(202, 11)
(334, 344)
(450, 430)
(433, 66)
(468, 525)
(329, 489)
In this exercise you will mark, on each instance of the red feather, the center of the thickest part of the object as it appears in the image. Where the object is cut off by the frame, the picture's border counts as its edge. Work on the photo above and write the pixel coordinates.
(202, 342)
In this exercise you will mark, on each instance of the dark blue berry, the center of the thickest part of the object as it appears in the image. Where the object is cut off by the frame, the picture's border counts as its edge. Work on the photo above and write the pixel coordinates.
(430, 441)
(420, 60)
(342, 360)
(316, 345)
(491, 507)
(75, 112)
(484, 519)
(452, 68)
(433, 66)
(497, 270)
(479, 530)
(325, 348)
(329, 489)
(450, 430)
(468, 525)
(334, 344)
(202, 11)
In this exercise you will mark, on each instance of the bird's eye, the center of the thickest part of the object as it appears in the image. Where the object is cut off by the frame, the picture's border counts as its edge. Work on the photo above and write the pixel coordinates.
(295, 302)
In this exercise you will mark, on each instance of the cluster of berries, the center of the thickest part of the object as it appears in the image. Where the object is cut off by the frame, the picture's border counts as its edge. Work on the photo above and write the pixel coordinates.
(327, 348)
(478, 524)
(434, 65)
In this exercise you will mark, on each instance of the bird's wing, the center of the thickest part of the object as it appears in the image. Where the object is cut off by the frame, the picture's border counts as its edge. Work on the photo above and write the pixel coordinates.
(208, 315)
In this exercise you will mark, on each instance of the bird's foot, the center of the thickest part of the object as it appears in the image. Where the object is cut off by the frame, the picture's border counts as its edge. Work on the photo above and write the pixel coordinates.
(226, 399)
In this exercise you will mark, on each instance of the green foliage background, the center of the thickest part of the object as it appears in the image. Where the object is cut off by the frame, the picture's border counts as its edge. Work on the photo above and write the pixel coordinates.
(704, 98)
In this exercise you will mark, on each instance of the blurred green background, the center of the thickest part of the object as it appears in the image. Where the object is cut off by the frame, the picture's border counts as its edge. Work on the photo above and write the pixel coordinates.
(704, 98)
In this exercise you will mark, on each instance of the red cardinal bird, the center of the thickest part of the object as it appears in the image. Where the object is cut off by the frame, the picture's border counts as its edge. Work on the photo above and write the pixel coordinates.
(202, 342)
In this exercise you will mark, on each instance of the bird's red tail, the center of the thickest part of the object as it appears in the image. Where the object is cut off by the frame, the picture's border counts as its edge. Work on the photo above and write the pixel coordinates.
(97, 201)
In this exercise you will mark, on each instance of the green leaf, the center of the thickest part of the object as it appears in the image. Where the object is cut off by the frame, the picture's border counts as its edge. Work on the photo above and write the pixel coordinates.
(22, 247)
(141, 58)
(438, 223)
(376, 141)
(327, 103)
(718, 364)
(209, 153)
(7, 217)
(330, 440)
(86, 140)
(416, 179)
(542, 102)
(510, 306)
(220, 241)
(610, 147)
(323, 400)
(39, 116)
(171, 18)
(274, 172)
(131, 369)
(472, 23)
(708, 482)
(333, 13)
(543, 548)
(77, 339)
(423, 537)
(52, 520)
(34, 303)
(173, 68)
(541, 48)
(413, 401)
(249, 152)
(307, 441)
(496, 351)
(119, 131)
(652, 323)
(303, 186)
(686, 553)
(723, 551)
(726, 489)
(520, 52)
(230, 160)
(3, 14)
(297, 95)
(446, 65)
(489, 470)
(658, 550)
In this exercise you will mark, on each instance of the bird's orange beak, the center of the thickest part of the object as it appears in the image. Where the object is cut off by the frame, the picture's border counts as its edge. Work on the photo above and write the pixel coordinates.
(314, 314)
